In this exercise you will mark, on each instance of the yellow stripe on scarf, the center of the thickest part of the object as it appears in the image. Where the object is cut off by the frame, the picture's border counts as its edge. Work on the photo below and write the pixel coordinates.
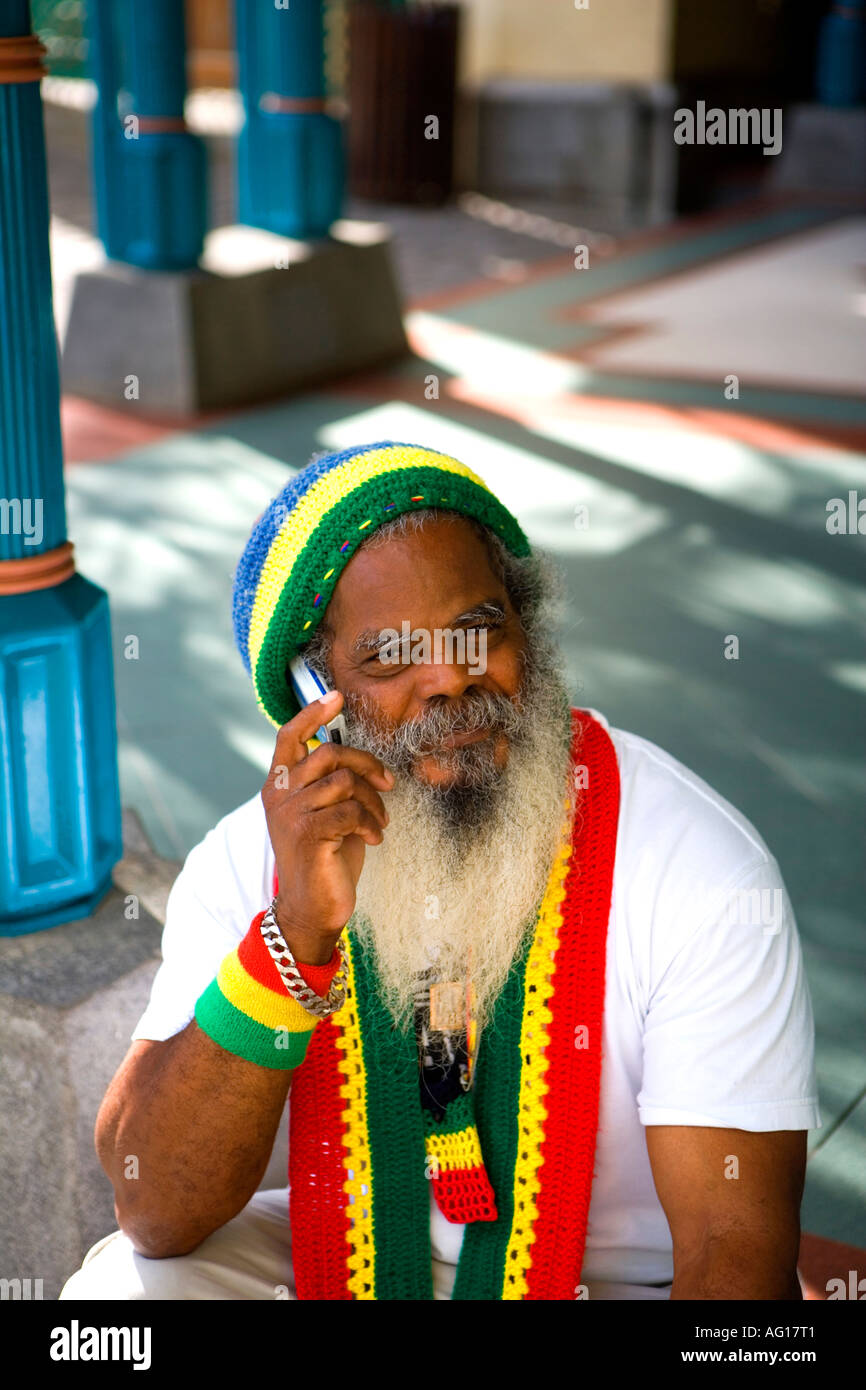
(531, 1110)
(452, 1151)
(356, 1142)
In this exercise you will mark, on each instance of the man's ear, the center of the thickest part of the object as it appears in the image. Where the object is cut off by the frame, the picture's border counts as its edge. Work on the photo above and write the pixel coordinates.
(317, 652)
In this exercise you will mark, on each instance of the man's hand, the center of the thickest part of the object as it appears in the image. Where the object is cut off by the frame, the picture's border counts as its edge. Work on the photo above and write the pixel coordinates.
(322, 809)
(732, 1200)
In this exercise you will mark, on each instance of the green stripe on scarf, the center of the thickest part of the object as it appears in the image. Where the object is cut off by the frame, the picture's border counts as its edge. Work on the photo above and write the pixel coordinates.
(459, 1115)
(401, 1194)
(481, 1267)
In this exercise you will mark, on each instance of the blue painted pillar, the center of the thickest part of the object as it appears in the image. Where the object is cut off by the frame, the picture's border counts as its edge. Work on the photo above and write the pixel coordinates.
(840, 70)
(290, 153)
(149, 172)
(59, 803)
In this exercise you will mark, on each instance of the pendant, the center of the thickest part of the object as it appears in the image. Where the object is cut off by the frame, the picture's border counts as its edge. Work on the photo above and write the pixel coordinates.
(448, 1006)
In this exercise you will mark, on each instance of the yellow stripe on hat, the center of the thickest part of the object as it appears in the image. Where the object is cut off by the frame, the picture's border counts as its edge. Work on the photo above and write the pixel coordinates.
(301, 522)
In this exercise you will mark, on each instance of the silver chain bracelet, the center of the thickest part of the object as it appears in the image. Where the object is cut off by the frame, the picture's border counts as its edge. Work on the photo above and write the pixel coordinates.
(291, 976)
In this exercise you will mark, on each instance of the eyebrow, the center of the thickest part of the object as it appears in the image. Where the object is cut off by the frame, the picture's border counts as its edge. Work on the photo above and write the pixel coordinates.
(371, 639)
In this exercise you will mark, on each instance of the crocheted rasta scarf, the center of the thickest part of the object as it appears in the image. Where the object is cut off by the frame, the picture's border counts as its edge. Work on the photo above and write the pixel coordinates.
(513, 1156)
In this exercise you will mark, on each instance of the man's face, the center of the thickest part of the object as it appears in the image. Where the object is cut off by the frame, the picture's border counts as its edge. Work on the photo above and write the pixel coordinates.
(456, 720)
(481, 753)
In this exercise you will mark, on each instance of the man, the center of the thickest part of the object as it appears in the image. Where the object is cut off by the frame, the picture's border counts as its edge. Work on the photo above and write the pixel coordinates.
(533, 989)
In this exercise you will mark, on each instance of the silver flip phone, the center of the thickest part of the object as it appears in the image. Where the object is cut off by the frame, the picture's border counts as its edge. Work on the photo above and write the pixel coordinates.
(309, 686)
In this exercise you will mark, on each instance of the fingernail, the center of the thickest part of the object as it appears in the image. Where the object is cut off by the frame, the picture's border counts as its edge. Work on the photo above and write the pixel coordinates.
(329, 698)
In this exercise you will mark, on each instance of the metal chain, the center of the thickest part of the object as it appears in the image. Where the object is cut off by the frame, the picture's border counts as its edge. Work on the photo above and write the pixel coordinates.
(292, 978)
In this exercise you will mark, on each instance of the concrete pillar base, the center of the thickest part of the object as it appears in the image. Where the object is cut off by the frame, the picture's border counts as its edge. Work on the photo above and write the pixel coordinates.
(68, 1003)
(608, 146)
(261, 317)
(824, 149)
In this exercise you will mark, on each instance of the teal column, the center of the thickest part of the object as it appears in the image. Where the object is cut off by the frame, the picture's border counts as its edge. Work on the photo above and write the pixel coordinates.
(840, 69)
(59, 802)
(149, 171)
(290, 153)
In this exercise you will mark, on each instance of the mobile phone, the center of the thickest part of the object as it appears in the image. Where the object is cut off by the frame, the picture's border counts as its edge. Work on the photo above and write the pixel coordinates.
(309, 686)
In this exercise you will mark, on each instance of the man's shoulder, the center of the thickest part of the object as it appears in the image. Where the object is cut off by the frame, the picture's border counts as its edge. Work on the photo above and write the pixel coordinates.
(226, 880)
(669, 813)
(246, 822)
(692, 879)
(238, 847)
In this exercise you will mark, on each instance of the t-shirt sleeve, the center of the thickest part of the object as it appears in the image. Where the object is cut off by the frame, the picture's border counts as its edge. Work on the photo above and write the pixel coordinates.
(729, 1031)
(223, 884)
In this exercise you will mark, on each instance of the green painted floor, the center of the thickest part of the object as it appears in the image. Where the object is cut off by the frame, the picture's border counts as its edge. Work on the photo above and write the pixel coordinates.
(696, 533)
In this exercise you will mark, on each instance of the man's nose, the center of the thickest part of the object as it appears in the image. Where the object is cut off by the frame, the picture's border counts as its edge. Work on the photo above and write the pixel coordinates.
(443, 677)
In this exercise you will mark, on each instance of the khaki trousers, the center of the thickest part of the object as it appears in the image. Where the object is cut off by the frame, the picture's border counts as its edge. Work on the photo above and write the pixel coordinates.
(248, 1258)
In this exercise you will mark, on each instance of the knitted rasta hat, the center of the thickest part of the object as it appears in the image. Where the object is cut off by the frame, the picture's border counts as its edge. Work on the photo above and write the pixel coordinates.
(301, 544)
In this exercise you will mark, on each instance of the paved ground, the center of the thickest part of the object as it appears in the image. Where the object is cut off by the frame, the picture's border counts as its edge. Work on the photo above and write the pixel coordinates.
(597, 389)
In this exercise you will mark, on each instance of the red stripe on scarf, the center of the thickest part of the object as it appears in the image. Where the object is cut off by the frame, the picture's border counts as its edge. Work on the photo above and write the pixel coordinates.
(317, 1203)
(465, 1194)
(315, 1090)
(568, 1148)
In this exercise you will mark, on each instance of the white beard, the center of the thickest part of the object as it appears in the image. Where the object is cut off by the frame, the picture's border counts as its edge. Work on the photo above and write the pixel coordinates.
(428, 895)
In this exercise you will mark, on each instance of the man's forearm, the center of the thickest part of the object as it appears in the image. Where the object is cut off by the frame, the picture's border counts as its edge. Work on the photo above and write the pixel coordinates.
(735, 1268)
(185, 1138)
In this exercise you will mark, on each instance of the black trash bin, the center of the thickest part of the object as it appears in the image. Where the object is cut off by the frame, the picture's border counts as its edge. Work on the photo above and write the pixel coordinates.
(402, 77)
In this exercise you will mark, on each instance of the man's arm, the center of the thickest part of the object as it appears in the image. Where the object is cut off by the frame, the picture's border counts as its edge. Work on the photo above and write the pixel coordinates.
(188, 1124)
(185, 1133)
(732, 1201)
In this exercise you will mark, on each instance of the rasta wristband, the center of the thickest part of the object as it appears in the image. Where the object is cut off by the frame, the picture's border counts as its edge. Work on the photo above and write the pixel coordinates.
(247, 1011)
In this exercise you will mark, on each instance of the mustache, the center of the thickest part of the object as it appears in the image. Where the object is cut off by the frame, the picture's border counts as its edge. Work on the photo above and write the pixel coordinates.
(479, 711)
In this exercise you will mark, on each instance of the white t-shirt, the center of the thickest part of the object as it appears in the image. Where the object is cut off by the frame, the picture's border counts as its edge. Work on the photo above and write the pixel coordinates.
(707, 1016)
